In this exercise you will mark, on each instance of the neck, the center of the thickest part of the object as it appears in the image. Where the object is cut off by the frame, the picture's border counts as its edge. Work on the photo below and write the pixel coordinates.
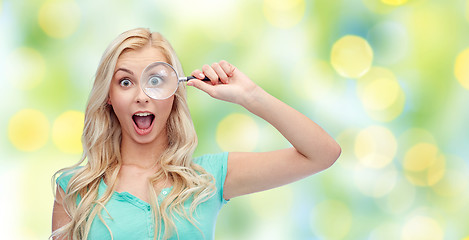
(142, 155)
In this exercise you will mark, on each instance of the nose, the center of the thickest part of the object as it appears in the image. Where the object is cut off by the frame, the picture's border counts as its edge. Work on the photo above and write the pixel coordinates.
(141, 96)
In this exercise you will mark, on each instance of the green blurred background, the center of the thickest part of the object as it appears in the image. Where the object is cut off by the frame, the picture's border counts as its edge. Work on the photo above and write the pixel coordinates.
(389, 79)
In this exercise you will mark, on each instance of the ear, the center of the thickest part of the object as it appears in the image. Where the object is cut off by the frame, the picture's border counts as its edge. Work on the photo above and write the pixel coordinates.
(109, 101)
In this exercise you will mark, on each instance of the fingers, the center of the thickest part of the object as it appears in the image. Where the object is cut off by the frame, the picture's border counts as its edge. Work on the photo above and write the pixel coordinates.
(220, 72)
(227, 68)
(198, 74)
(201, 85)
(217, 72)
(210, 73)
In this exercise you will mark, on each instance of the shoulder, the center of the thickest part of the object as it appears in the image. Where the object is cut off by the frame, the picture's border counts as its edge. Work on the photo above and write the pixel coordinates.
(66, 175)
(216, 165)
(212, 163)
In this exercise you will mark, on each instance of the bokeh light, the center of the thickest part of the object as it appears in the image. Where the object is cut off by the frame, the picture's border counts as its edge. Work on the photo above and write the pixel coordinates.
(314, 81)
(375, 182)
(263, 203)
(59, 18)
(237, 132)
(375, 147)
(424, 164)
(379, 7)
(381, 94)
(394, 2)
(25, 68)
(67, 130)
(227, 27)
(28, 130)
(331, 219)
(461, 70)
(422, 228)
(284, 14)
(351, 56)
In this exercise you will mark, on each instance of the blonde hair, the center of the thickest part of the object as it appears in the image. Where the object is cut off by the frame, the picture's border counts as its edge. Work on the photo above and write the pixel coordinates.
(101, 148)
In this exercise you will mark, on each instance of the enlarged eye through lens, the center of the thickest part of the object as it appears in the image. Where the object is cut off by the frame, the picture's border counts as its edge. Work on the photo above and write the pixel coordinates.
(154, 81)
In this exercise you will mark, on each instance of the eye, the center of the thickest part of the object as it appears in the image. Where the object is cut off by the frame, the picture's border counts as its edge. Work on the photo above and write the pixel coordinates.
(125, 82)
(154, 81)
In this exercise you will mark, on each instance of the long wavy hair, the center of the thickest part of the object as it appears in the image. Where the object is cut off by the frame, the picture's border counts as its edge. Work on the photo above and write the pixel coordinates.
(102, 157)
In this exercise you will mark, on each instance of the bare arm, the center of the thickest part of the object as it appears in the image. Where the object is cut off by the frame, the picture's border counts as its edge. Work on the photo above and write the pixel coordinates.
(59, 216)
(313, 149)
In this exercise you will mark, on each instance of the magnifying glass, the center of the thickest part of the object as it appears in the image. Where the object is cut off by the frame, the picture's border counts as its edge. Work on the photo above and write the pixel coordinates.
(160, 80)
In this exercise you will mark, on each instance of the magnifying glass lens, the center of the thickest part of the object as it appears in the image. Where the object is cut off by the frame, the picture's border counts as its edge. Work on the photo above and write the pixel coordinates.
(159, 80)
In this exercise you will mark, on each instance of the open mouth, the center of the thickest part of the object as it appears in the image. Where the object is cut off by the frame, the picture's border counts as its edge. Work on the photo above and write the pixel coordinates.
(143, 121)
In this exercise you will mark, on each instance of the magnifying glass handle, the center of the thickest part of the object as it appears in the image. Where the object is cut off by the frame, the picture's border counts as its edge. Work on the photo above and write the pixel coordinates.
(192, 77)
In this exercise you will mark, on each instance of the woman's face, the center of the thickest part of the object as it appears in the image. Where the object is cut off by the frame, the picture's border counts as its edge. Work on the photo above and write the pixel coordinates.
(142, 119)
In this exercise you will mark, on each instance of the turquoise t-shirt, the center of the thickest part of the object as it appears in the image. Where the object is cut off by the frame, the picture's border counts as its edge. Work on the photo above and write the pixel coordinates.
(132, 217)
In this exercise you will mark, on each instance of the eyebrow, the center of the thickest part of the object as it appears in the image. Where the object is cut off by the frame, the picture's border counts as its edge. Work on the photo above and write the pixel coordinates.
(125, 70)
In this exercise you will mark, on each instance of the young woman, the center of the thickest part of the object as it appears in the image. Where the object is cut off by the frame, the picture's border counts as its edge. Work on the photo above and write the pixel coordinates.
(139, 180)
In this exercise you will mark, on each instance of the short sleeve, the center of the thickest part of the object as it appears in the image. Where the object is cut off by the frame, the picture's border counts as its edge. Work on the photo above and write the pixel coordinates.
(65, 177)
(217, 166)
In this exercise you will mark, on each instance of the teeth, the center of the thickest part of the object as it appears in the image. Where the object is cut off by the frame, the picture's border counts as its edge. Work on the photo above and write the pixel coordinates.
(143, 114)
